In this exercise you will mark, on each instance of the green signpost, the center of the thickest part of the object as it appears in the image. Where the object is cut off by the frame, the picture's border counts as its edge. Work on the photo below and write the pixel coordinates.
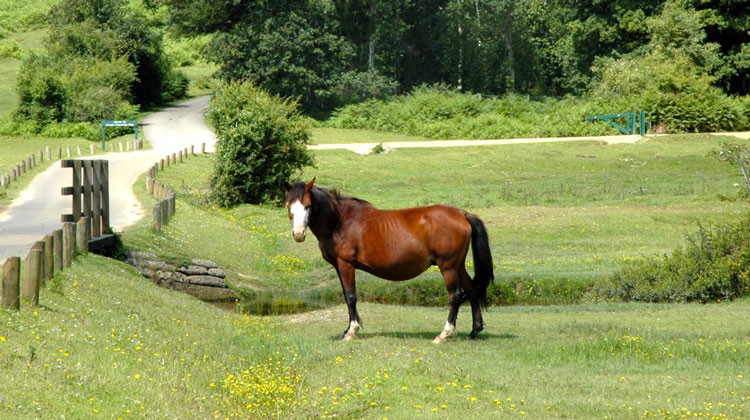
(634, 121)
(117, 123)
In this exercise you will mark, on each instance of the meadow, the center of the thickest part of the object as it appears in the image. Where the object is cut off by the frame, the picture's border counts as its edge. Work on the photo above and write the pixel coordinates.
(107, 343)
(560, 216)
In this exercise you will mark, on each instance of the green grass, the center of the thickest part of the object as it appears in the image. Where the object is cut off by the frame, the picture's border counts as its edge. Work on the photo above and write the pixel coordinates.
(201, 78)
(560, 216)
(107, 343)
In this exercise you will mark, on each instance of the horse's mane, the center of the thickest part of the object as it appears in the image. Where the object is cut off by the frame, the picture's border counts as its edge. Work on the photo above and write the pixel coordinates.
(326, 202)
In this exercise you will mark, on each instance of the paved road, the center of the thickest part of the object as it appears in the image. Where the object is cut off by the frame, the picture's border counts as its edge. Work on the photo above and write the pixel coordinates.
(36, 212)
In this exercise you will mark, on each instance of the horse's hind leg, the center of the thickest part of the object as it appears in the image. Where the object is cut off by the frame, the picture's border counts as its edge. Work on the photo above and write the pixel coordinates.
(467, 292)
(476, 310)
(456, 299)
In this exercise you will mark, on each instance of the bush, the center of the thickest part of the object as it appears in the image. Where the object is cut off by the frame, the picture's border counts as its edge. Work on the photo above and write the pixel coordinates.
(714, 266)
(353, 87)
(262, 142)
(442, 112)
(102, 60)
(9, 48)
(674, 93)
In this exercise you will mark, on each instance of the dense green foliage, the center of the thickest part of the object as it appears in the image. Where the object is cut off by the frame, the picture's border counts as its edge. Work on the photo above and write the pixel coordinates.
(102, 60)
(680, 104)
(261, 144)
(714, 266)
(548, 48)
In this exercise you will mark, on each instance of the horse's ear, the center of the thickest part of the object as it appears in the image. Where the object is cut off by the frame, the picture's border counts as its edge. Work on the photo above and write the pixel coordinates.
(309, 185)
(288, 186)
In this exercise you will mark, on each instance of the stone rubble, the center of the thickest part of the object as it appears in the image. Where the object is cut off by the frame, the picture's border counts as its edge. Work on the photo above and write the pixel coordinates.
(200, 278)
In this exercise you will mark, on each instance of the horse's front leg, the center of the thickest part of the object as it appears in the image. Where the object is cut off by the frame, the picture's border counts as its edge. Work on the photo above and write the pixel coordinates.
(346, 275)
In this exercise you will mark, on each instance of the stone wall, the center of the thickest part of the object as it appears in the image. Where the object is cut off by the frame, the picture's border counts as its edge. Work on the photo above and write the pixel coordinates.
(200, 278)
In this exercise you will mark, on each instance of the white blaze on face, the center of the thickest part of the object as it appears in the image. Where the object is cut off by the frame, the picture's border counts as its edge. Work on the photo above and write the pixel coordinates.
(299, 220)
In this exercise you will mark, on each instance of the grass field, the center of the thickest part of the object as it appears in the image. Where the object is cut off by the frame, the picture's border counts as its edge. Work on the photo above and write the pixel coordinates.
(107, 343)
(559, 216)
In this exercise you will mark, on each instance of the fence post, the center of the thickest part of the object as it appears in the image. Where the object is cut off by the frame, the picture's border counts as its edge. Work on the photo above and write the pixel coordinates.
(179, 155)
(203, 148)
(92, 148)
(164, 212)
(104, 179)
(150, 185)
(39, 246)
(59, 152)
(157, 217)
(49, 152)
(78, 149)
(192, 149)
(30, 289)
(67, 149)
(82, 236)
(96, 215)
(48, 259)
(69, 243)
(12, 283)
(57, 249)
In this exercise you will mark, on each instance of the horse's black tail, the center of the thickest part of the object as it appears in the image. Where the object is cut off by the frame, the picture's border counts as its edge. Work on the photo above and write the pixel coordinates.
(480, 247)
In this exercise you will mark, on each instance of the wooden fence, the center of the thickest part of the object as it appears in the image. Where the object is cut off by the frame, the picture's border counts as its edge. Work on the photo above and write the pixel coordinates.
(55, 252)
(25, 165)
(164, 208)
(22, 279)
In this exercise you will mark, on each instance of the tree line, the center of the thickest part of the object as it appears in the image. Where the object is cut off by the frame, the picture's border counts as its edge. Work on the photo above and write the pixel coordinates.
(332, 52)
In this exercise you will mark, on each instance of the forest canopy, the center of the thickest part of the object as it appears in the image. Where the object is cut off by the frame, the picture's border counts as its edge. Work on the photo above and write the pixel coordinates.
(331, 52)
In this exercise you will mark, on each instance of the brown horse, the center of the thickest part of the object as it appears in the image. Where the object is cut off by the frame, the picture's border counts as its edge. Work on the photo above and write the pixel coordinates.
(395, 245)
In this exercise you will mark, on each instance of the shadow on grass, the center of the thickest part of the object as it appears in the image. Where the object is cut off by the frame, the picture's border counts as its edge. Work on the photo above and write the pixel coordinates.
(427, 335)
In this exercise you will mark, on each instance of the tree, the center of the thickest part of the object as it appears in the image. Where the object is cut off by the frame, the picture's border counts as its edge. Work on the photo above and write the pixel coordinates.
(100, 62)
(262, 143)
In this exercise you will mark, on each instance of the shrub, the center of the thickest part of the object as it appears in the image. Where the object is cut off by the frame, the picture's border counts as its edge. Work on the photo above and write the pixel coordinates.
(353, 87)
(714, 265)
(442, 112)
(102, 60)
(9, 48)
(261, 144)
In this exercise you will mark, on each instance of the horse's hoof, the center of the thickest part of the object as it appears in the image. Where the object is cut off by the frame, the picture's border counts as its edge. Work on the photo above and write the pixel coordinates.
(475, 332)
(438, 340)
(348, 337)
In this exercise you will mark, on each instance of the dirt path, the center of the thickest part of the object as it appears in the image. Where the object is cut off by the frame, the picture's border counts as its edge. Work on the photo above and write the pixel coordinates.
(365, 148)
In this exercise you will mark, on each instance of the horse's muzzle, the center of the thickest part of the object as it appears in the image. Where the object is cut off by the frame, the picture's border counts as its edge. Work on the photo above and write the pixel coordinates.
(299, 236)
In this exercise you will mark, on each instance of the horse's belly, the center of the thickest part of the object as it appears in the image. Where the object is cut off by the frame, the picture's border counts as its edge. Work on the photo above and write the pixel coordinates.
(397, 271)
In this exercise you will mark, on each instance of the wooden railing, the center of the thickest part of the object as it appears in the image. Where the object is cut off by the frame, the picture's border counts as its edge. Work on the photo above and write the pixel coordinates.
(90, 193)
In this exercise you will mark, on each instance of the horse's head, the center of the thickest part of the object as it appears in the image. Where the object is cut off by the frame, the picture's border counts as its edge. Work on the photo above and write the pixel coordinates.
(298, 203)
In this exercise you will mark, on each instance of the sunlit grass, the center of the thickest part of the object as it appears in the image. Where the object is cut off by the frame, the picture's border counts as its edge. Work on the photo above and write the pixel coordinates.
(107, 343)
(560, 216)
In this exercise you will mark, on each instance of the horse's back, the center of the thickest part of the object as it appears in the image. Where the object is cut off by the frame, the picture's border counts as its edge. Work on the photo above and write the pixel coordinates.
(410, 239)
